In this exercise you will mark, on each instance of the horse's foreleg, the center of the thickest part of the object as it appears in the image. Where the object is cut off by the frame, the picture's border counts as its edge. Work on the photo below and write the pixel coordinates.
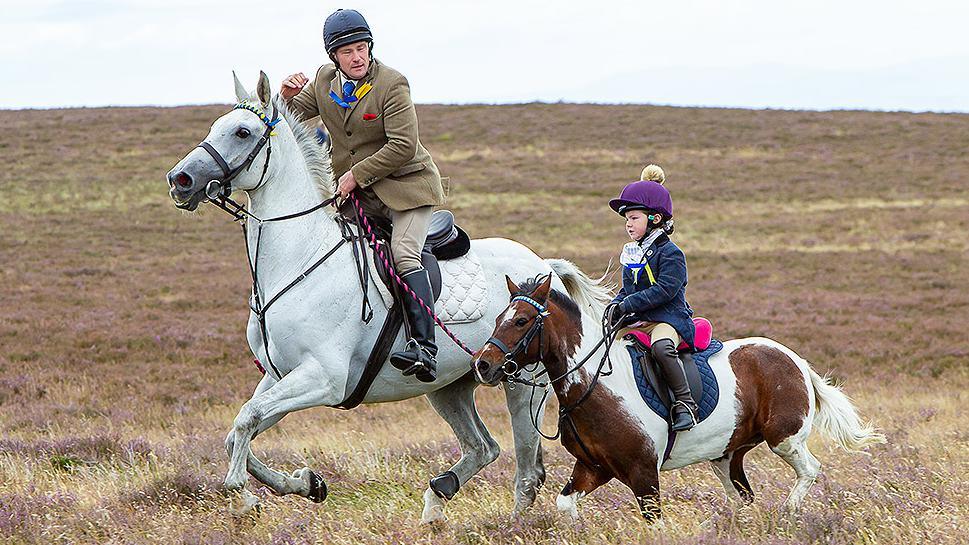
(582, 482)
(300, 389)
(530, 469)
(644, 482)
(455, 404)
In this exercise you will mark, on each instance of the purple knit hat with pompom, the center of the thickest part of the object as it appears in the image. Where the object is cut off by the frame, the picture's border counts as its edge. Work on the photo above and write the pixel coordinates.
(644, 195)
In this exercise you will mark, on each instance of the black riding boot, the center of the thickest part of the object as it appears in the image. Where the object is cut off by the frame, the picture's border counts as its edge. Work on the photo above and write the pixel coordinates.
(684, 409)
(417, 357)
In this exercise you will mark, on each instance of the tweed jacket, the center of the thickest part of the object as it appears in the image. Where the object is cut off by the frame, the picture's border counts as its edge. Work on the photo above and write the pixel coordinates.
(376, 137)
(658, 292)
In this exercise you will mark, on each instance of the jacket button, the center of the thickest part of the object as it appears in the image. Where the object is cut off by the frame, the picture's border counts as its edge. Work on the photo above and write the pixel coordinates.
(349, 133)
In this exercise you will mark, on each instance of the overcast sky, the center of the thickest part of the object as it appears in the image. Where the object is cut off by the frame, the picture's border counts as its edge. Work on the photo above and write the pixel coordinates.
(821, 54)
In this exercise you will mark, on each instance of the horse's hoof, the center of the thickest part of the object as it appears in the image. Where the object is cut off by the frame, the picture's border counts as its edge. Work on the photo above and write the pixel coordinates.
(433, 508)
(318, 490)
(245, 504)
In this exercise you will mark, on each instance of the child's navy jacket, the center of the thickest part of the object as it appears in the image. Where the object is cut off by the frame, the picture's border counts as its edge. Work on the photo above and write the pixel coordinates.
(654, 286)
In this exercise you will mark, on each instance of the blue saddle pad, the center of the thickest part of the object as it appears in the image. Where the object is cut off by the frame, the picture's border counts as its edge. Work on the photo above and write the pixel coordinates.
(711, 391)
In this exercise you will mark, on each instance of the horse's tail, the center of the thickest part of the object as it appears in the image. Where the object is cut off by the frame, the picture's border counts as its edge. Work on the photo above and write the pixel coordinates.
(837, 417)
(591, 295)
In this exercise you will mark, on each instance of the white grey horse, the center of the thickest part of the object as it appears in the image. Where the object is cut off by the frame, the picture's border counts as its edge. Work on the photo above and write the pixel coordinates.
(314, 330)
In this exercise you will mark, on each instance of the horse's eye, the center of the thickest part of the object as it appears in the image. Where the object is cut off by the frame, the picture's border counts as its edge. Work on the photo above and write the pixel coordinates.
(521, 321)
(243, 132)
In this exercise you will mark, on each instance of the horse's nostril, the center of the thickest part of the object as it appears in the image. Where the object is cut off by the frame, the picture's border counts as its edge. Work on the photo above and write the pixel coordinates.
(483, 366)
(183, 180)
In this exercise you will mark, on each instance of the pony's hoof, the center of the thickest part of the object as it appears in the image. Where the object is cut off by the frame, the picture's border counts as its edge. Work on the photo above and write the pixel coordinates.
(433, 508)
(567, 506)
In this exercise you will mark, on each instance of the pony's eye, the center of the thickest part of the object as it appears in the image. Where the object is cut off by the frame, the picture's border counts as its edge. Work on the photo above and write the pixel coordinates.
(521, 321)
(243, 132)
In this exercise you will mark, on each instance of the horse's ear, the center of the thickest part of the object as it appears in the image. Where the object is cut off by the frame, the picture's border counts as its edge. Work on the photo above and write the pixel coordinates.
(241, 93)
(541, 292)
(262, 89)
(512, 287)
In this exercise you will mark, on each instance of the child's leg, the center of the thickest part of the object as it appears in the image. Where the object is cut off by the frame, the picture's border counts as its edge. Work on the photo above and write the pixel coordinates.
(645, 327)
(665, 339)
(663, 331)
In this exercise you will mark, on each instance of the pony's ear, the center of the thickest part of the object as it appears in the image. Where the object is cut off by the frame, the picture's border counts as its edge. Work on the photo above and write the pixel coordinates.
(262, 89)
(512, 287)
(541, 292)
(241, 93)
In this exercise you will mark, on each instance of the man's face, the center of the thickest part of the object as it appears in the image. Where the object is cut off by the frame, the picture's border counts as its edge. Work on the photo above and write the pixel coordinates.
(354, 59)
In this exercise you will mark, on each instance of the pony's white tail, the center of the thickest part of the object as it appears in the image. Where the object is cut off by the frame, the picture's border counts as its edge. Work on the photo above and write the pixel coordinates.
(591, 295)
(837, 417)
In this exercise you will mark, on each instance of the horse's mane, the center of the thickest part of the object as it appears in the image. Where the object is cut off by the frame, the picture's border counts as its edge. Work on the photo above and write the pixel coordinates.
(316, 156)
(562, 300)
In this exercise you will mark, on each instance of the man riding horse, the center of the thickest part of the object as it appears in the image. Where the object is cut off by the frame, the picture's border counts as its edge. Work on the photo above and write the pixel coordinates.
(376, 154)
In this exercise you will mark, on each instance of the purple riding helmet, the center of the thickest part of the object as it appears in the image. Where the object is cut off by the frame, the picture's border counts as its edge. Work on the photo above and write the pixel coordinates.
(644, 195)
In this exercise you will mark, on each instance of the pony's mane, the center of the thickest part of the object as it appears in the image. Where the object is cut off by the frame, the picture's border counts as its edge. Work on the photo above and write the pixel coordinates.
(562, 300)
(316, 156)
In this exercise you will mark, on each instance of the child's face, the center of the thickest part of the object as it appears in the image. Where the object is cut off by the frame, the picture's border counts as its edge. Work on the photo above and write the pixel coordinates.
(637, 222)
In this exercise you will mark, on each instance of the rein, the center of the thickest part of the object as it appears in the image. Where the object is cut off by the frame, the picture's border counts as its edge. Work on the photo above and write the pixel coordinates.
(513, 370)
(218, 193)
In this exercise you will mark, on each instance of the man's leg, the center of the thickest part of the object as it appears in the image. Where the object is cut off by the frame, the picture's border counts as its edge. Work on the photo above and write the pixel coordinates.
(406, 243)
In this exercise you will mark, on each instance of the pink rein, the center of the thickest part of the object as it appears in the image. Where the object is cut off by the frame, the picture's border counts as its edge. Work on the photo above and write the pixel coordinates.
(400, 282)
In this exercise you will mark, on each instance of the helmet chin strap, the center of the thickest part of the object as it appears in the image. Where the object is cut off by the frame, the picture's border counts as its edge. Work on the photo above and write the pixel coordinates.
(654, 233)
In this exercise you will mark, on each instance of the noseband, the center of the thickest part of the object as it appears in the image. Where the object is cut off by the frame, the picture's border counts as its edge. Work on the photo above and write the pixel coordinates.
(510, 367)
(219, 190)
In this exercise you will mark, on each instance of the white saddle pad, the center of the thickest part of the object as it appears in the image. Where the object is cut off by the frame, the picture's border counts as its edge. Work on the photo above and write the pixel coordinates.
(463, 290)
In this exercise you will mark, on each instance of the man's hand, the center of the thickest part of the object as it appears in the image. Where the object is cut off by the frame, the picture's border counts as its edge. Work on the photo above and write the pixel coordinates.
(293, 85)
(346, 184)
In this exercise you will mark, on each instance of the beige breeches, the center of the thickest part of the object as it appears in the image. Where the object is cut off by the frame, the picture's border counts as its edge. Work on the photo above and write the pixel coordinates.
(409, 232)
(655, 330)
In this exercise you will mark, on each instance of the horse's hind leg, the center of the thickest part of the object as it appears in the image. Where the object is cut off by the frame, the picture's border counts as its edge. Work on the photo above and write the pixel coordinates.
(721, 468)
(530, 469)
(455, 404)
(794, 451)
(730, 469)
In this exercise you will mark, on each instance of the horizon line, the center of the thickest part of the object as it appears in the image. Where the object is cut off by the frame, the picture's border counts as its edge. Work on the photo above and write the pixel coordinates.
(525, 103)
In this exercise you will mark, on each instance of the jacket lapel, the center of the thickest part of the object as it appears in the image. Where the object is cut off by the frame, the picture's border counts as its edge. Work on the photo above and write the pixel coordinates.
(335, 88)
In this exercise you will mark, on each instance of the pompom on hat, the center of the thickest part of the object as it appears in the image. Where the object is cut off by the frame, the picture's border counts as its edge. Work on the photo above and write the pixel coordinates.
(646, 194)
(653, 173)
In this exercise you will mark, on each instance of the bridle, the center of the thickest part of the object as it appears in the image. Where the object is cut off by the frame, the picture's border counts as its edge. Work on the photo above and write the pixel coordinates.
(218, 191)
(512, 369)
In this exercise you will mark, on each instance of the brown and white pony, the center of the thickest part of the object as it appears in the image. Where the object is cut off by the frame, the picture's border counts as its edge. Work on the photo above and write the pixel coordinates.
(767, 393)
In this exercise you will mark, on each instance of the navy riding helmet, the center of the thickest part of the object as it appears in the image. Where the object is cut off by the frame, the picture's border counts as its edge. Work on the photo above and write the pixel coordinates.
(345, 26)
